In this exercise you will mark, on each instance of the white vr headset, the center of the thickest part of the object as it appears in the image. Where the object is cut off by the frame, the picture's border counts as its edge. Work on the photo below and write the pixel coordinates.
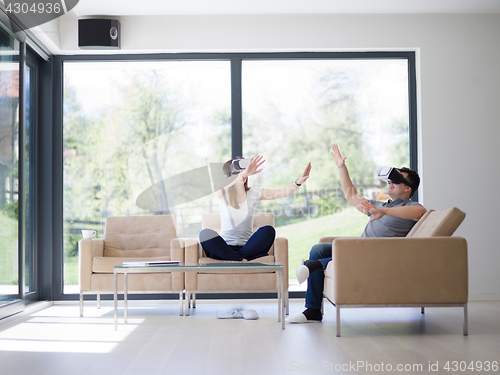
(392, 174)
(238, 165)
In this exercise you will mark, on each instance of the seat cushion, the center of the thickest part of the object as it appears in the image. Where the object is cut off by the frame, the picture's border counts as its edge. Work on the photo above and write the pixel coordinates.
(438, 223)
(268, 259)
(236, 282)
(107, 264)
(156, 282)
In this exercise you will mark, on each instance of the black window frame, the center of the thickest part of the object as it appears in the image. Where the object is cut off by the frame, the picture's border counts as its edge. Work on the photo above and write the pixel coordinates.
(34, 55)
(32, 61)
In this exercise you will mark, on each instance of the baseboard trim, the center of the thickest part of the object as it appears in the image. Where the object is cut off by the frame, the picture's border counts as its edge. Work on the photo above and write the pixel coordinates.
(475, 297)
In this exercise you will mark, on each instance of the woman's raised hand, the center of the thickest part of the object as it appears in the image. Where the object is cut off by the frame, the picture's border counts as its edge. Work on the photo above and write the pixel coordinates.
(305, 174)
(253, 166)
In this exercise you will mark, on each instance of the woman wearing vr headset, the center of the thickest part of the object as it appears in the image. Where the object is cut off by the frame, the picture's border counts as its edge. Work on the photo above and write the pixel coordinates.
(393, 218)
(237, 202)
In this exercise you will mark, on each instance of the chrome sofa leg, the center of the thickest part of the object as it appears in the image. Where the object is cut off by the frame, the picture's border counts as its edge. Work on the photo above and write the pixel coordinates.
(98, 300)
(181, 303)
(287, 302)
(337, 308)
(466, 321)
(81, 303)
(188, 300)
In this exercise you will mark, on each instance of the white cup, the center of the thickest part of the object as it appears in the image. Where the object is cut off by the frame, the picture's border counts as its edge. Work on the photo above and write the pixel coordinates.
(88, 233)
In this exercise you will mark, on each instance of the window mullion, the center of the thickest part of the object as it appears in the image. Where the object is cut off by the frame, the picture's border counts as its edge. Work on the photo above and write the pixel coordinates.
(236, 108)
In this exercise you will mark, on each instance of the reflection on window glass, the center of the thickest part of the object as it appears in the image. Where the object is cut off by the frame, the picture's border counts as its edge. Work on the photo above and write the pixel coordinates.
(294, 111)
(9, 168)
(30, 117)
(127, 127)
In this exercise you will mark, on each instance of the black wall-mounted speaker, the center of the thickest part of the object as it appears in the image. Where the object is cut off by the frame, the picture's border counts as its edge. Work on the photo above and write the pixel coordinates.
(95, 33)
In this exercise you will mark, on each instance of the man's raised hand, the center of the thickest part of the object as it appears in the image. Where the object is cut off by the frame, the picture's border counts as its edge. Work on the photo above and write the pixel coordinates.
(339, 160)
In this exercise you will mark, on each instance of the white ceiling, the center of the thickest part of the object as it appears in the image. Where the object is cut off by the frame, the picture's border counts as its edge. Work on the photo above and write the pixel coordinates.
(61, 38)
(193, 7)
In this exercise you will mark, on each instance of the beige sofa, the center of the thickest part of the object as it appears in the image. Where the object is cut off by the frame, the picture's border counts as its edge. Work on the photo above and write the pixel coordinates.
(427, 268)
(131, 238)
(238, 283)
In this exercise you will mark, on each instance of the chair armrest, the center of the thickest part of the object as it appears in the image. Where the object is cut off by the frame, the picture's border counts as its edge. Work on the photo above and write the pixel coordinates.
(399, 270)
(331, 238)
(327, 239)
(88, 249)
(177, 249)
(177, 253)
(281, 256)
(192, 254)
(191, 250)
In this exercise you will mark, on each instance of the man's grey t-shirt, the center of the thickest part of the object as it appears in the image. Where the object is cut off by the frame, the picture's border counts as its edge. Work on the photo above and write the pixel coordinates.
(388, 226)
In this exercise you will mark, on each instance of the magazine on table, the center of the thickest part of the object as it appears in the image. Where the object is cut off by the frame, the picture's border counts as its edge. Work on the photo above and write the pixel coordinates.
(149, 263)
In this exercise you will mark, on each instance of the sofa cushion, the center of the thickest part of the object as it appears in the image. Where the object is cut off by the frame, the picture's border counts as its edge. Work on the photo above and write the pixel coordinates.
(139, 236)
(438, 223)
(236, 282)
(268, 259)
(153, 282)
(107, 264)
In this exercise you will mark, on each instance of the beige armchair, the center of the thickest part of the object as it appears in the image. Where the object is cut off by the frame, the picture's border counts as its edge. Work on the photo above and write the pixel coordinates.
(240, 283)
(131, 238)
(427, 268)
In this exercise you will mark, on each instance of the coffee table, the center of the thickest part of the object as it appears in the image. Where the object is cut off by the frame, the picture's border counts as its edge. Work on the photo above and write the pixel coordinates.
(200, 267)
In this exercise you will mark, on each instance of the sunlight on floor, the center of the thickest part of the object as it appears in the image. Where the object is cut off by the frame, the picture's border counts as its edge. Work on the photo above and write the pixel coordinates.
(60, 329)
(55, 340)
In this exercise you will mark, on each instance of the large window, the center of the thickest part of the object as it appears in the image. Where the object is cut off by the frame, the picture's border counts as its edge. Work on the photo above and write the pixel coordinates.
(9, 168)
(128, 125)
(295, 110)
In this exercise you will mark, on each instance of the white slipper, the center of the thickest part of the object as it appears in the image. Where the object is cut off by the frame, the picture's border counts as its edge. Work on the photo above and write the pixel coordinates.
(250, 314)
(302, 272)
(235, 314)
(300, 318)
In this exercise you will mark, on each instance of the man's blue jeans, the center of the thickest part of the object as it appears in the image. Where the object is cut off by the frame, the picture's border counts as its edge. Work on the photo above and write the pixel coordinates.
(316, 281)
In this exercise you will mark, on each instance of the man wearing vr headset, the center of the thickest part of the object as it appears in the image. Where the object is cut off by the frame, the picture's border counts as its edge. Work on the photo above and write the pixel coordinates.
(393, 218)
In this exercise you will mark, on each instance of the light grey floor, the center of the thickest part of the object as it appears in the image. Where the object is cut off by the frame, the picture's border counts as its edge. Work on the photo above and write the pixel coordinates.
(157, 340)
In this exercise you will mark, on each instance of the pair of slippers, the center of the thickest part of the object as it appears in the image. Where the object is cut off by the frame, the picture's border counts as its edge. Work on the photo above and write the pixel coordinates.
(236, 314)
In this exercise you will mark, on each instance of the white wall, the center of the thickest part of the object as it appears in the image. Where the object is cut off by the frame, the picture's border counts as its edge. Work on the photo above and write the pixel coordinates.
(459, 83)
